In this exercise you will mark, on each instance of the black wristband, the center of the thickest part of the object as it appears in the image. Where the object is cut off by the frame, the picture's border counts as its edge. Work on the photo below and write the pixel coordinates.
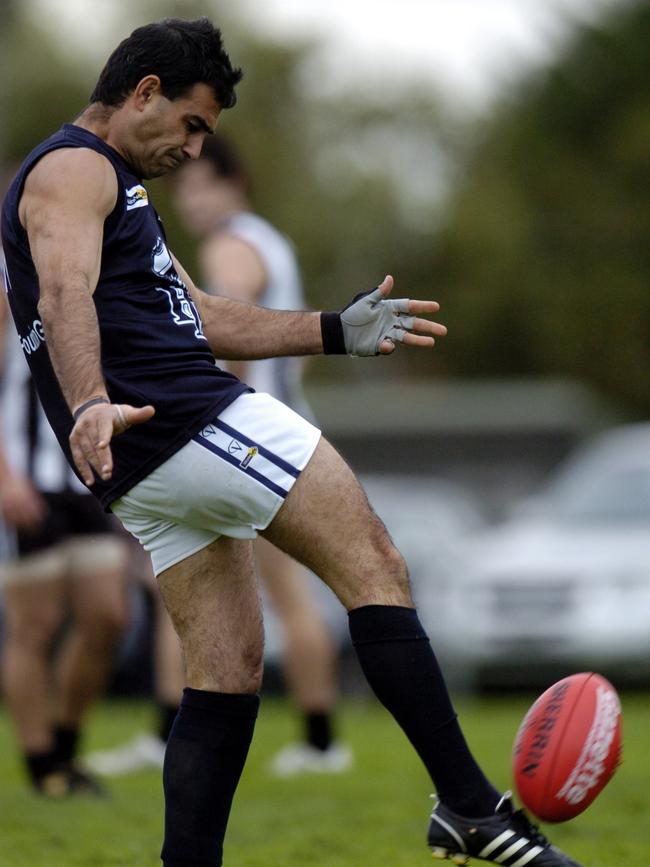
(87, 405)
(331, 330)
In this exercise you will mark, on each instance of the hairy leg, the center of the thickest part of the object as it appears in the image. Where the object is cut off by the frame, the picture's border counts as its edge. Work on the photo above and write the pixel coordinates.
(328, 524)
(213, 600)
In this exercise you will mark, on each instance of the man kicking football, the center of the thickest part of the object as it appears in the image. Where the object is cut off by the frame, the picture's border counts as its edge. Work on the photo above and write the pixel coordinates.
(122, 347)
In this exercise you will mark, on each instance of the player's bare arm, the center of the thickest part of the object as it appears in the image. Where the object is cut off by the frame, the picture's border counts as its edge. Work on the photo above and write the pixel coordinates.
(21, 504)
(67, 197)
(233, 268)
(239, 331)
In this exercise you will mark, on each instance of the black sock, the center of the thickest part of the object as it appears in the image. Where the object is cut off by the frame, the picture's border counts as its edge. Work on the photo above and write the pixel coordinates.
(205, 756)
(401, 668)
(318, 730)
(40, 765)
(66, 741)
(166, 716)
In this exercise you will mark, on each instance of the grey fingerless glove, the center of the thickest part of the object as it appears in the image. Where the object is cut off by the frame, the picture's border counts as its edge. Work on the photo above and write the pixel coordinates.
(361, 326)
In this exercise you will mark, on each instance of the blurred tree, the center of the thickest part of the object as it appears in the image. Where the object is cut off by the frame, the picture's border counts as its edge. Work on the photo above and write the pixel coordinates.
(44, 87)
(6, 17)
(544, 255)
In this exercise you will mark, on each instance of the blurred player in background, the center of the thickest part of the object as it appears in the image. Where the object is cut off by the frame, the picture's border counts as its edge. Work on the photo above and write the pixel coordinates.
(62, 577)
(147, 749)
(244, 257)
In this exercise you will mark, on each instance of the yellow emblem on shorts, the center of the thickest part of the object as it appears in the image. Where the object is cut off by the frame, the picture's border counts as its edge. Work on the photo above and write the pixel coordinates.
(250, 454)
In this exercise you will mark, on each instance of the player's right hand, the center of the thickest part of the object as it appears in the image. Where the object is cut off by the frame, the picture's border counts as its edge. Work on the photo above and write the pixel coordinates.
(22, 507)
(92, 433)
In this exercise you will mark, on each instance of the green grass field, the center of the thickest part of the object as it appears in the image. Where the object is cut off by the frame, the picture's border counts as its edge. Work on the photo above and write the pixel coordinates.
(374, 816)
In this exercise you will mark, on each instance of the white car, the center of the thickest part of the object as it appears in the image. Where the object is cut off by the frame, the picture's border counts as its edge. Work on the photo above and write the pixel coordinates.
(564, 584)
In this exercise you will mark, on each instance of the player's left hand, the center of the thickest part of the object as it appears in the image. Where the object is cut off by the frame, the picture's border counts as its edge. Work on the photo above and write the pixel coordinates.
(410, 329)
(21, 505)
(373, 323)
(92, 433)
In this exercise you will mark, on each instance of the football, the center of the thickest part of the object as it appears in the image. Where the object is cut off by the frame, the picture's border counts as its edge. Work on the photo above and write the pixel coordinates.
(567, 747)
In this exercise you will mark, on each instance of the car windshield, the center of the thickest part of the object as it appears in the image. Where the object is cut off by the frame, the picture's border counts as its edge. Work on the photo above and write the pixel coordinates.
(591, 493)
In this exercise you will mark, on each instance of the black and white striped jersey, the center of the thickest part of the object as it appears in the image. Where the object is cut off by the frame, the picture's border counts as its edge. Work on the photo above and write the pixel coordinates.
(28, 440)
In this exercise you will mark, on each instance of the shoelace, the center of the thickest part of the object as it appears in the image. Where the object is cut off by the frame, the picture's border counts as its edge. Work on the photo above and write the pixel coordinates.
(521, 821)
(523, 824)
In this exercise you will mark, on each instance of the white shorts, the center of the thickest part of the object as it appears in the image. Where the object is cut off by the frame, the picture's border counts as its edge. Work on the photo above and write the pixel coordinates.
(75, 557)
(229, 480)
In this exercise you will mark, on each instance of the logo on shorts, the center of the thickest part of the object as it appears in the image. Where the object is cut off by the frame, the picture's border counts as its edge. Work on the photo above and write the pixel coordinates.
(235, 447)
(250, 454)
(208, 431)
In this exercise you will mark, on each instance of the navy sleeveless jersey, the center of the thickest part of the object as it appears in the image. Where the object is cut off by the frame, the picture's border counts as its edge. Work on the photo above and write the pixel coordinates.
(153, 350)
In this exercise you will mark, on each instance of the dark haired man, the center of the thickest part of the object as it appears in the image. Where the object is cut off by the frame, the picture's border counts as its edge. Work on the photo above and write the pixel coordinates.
(122, 348)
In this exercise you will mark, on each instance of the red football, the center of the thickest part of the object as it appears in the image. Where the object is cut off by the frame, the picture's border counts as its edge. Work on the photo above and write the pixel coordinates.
(567, 747)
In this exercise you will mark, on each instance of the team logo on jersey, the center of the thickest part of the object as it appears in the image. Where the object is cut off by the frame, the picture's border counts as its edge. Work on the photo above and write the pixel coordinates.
(181, 306)
(136, 197)
(161, 260)
(36, 337)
